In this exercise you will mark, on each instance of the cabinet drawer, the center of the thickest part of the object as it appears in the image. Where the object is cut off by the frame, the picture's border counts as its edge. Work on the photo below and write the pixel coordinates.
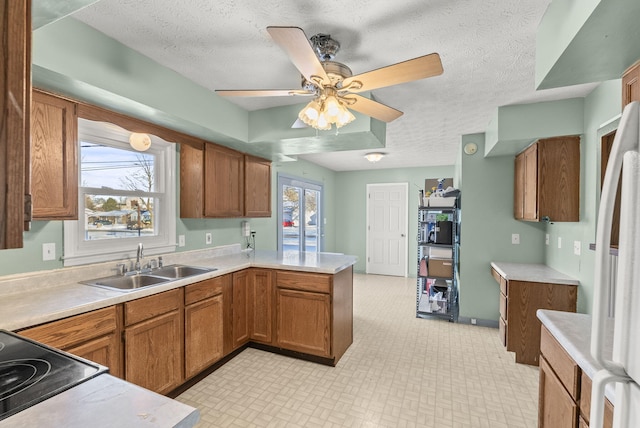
(502, 329)
(585, 404)
(500, 280)
(304, 281)
(567, 371)
(74, 330)
(202, 290)
(503, 306)
(152, 306)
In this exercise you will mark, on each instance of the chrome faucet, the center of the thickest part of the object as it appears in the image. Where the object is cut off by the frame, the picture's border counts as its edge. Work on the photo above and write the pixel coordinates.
(139, 256)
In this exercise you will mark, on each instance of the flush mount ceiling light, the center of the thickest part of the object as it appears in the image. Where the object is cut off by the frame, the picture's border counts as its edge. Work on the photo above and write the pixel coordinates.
(140, 142)
(374, 157)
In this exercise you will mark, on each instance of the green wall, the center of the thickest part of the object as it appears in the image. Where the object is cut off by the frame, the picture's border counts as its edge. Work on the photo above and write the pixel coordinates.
(603, 104)
(351, 202)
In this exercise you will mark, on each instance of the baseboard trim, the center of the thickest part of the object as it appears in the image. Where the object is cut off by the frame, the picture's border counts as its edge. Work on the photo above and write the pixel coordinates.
(479, 322)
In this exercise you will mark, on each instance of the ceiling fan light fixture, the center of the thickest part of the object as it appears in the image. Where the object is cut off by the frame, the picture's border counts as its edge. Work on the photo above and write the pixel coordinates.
(374, 156)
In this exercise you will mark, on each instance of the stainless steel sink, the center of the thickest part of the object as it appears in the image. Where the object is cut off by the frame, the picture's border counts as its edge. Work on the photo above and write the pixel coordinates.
(179, 271)
(127, 282)
(149, 278)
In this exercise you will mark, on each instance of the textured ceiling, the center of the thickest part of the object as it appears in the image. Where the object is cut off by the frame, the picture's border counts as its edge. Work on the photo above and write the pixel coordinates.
(487, 49)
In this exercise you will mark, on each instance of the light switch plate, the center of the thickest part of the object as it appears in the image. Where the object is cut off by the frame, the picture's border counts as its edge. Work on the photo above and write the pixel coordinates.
(515, 238)
(48, 251)
(181, 241)
(546, 239)
(577, 247)
(559, 242)
(208, 238)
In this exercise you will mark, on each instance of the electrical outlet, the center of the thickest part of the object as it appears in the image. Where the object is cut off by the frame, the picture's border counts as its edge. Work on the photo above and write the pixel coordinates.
(559, 242)
(577, 247)
(208, 238)
(546, 239)
(49, 251)
(181, 241)
(515, 238)
(474, 321)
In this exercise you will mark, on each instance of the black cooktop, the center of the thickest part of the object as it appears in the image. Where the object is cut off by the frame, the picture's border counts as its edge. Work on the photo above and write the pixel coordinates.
(31, 372)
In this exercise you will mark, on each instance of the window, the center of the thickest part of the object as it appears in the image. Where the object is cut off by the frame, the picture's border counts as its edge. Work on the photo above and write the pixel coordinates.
(124, 197)
(299, 213)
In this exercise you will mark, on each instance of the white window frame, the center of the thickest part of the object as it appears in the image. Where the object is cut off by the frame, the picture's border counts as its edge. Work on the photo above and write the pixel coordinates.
(78, 251)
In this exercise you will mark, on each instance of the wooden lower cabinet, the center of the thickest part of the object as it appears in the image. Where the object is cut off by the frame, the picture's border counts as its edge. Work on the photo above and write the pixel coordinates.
(261, 312)
(154, 341)
(203, 315)
(565, 390)
(519, 327)
(314, 313)
(304, 320)
(94, 336)
(240, 304)
(557, 409)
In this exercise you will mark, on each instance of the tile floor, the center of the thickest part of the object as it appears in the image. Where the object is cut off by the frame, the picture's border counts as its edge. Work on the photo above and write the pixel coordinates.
(401, 371)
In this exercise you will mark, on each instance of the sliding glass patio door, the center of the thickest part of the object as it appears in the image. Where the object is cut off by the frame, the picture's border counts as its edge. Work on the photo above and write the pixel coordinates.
(299, 215)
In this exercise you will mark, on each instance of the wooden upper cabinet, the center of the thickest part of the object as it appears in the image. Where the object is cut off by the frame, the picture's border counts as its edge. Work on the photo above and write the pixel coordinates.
(223, 182)
(191, 182)
(547, 180)
(257, 187)
(15, 79)
(219, 182)
(54, 161)
(631, 84)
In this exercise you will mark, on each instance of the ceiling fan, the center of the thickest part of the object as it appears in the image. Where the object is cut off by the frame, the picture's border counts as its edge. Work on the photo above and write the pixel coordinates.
(331, 83)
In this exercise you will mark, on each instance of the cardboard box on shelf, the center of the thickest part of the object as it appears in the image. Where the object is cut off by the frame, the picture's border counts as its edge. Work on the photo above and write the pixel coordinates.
(440, 267)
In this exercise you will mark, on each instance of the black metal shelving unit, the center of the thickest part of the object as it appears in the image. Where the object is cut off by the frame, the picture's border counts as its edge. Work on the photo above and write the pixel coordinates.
(438, 245)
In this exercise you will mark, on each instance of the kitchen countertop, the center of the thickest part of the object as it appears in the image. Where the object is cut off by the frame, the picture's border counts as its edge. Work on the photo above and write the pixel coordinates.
(105, 401)
(32, 299)
(532, 272)
(573, 332)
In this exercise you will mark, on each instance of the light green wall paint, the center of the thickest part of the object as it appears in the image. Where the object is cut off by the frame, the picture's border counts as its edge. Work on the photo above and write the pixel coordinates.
(351, 204)
(514, 127)
(487, 225)
(29, 257)
(74, 59)
(603, 104)
(586, 41)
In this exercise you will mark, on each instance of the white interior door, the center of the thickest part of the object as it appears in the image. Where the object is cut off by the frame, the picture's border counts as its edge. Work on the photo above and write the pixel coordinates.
(387, 229)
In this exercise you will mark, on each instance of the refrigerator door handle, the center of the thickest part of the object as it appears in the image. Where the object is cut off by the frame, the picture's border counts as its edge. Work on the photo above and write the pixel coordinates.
(600, 381)
(627, 139)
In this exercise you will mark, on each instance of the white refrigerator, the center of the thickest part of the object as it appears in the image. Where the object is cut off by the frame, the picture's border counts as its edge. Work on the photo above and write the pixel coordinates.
(624, 366)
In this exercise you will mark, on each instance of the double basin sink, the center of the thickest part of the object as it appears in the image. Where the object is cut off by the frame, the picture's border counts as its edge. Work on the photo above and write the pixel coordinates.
(137, 280)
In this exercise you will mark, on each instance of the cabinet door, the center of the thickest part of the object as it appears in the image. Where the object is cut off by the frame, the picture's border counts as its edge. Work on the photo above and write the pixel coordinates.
(153, 353)
(530, 176)
(191, 182)
(15, 79)
(54, 164)
(631, 84)
(203, 335)
(303, 321)
(240, 308)
(104, 350)
(257, 187)
(556, 408)
(224, 182)
(518, 189)
(260, 298)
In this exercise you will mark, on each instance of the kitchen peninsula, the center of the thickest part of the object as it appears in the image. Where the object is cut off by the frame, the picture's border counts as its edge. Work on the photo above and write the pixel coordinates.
(300, 304)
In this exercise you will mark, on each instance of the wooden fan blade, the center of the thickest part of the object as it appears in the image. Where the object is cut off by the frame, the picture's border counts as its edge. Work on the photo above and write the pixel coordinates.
(402, 72)
(373, 108)
(297, 46)
(263, 92)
